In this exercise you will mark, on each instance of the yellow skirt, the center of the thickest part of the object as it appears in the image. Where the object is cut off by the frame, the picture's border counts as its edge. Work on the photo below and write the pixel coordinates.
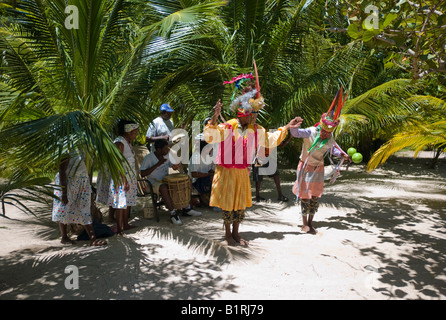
(231, 189)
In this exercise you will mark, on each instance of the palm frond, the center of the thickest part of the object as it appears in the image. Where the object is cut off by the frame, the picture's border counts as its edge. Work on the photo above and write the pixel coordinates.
(417, 137)
(22, 187)
(43, 142)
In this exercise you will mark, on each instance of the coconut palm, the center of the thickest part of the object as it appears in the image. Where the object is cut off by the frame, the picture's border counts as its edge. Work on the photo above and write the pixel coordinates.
(301, 67)
(64, 88)
(300, 70)
(22, 187)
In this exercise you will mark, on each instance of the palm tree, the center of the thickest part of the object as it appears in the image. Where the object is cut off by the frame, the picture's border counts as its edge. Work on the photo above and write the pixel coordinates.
(301, 66)
(297, 66)
(23, 187)
(424, 129)
(64, 89)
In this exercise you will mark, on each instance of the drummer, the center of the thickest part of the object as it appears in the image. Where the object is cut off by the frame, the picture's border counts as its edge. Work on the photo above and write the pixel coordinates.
(155, 167)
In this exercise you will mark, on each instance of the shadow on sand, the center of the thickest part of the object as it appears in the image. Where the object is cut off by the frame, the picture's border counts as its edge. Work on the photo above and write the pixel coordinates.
(412, 219)
(141, 265)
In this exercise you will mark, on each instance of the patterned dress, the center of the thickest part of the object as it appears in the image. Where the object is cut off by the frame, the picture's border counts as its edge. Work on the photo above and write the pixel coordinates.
(118, 198)
(78, 208)
(310, 170)
(103, 187)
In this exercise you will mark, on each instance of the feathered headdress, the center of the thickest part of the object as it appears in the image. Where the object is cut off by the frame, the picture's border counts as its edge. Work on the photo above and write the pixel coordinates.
(245, 99)
(330, 119)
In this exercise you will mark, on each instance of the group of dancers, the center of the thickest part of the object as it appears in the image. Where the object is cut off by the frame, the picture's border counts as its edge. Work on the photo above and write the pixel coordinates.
(231, 188)
(239, 140)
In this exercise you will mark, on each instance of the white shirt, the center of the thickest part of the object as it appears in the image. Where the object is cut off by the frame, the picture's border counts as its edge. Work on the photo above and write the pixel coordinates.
(159, 173)
(159, 127)
(197, 164)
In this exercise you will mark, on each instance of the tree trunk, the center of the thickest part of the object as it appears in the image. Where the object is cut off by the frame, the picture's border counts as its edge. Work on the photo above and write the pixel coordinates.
(366, 146)
(435, 159)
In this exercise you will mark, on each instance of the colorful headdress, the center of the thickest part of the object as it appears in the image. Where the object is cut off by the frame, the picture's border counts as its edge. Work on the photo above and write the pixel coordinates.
(245, 99)
(330, 119)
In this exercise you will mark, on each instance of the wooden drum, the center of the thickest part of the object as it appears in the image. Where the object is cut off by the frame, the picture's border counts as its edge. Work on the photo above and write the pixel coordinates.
(180, 188)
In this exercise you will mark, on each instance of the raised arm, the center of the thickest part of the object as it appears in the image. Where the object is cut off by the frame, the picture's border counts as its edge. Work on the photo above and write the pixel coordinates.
(212, 132)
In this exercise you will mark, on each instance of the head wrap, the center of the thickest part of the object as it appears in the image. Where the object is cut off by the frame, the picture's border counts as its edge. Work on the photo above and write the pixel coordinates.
(130, 127)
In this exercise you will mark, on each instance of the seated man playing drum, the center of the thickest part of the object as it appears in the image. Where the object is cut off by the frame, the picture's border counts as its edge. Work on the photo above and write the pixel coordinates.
(156, 166)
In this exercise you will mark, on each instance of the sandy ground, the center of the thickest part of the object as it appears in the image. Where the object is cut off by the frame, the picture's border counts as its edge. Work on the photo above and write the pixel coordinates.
(380, 236)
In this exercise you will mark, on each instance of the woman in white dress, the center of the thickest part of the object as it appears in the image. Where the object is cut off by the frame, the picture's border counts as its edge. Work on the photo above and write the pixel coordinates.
(103, 190)
(73, 202)
(122, 197)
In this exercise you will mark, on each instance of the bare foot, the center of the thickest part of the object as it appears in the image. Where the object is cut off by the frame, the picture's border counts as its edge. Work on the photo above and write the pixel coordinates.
(230, 241)
(306, 229)
(312, 230)
(240, 240)
(66, 241)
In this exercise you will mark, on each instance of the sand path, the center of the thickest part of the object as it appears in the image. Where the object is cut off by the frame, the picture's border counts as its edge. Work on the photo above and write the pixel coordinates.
(381, 236)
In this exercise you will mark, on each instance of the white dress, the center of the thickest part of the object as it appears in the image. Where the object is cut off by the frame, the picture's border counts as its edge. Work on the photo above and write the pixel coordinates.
(103, 187)
(78, 208)
(118, 198)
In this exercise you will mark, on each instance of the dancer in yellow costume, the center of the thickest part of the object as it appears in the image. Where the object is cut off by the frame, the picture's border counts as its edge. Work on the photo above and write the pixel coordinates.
(238, 140)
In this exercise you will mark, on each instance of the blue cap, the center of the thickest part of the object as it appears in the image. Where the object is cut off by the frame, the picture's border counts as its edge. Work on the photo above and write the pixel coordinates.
(166, 107)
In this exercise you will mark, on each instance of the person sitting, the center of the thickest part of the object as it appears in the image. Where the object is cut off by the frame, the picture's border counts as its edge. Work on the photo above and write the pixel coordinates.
(202, 174)
(155, 167)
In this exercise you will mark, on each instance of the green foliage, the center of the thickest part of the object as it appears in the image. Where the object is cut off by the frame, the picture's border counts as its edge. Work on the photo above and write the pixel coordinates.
(409, 33)
(63, 89)
(24, 187)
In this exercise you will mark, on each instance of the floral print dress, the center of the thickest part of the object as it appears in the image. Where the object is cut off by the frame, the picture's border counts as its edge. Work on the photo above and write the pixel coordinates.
(103, 187)
(78, 208)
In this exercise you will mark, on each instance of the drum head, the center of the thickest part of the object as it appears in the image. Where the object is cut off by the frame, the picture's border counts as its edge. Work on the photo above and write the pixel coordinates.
(176, 177)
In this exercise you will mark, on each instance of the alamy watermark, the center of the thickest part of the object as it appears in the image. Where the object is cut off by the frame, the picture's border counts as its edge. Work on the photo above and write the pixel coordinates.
(72, 21)
(224, 150)
(372, 21)
(72, 281)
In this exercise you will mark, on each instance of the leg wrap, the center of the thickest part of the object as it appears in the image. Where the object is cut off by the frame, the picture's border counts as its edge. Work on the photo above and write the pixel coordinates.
(305, 206)
(314, 206)
(309, 206)
(233, 216)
